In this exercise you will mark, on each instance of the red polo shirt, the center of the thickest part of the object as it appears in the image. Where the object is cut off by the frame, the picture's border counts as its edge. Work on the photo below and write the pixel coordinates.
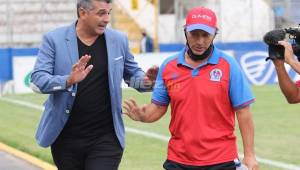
(203, 103)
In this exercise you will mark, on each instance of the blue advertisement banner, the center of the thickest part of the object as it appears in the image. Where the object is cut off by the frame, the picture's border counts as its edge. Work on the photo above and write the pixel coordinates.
(250, 55)
(6, 60)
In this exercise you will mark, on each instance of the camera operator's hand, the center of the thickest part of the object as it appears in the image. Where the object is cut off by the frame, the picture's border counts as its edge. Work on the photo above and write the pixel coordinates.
(288, 52)
(287, 85)
(289, 56)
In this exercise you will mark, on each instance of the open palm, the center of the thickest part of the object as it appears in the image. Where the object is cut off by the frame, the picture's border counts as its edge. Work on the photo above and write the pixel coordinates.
(80, 70)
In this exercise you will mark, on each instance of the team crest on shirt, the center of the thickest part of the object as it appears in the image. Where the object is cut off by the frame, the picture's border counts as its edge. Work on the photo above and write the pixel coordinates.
(215, 74)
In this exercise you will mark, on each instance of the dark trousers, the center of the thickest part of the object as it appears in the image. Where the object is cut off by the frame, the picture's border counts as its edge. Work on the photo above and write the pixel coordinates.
(101, 153)
(171, 165)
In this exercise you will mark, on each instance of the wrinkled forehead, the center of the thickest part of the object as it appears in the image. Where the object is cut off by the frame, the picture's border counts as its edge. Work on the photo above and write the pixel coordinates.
(101, 5)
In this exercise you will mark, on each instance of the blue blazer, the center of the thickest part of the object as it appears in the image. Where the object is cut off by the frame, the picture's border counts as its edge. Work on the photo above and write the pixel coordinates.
(57, 53)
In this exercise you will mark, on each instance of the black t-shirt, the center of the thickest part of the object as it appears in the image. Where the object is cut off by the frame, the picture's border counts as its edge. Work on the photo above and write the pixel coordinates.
(91, 114)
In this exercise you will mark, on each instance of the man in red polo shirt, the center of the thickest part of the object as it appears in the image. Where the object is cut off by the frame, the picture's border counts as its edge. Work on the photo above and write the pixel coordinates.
(290, 89)
(206, 89)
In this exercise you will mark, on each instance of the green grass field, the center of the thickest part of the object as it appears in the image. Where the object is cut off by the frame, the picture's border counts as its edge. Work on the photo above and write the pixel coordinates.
(277, 135)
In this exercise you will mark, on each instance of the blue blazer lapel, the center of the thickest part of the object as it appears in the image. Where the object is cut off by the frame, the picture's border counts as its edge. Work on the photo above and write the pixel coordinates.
(71, 41)
(111, 49)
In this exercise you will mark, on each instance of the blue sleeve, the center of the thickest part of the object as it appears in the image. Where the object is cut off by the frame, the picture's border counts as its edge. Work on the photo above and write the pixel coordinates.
(239, 90)
(131, 68)
(43, 79)
(133, 75)
(160, 94)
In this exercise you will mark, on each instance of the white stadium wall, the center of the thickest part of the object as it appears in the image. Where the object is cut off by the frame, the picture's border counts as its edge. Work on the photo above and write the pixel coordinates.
(238, 20)
(22, 22)
(166, 31)
(245, 20)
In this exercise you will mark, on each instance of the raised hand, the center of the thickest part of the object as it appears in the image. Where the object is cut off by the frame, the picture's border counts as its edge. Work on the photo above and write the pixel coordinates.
(288, 52)
(133, 111)
(151, 75)
(79, 70)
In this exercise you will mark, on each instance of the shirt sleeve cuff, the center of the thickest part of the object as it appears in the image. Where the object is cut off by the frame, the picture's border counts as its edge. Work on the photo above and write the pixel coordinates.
(159, 103)
(71, 88)
(244, 104)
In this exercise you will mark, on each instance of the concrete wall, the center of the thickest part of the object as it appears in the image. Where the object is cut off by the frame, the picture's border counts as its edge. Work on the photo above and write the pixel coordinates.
(238, 20)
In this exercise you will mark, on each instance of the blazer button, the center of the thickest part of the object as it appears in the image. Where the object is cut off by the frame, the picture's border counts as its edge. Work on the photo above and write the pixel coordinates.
(68, 111)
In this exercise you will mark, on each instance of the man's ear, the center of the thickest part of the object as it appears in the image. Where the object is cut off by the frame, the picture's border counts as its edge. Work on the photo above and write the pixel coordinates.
(81, 12)
(217, 31)
(185, 33)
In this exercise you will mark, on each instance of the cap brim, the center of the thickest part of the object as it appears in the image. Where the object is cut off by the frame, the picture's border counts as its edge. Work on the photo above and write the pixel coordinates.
(203, 27)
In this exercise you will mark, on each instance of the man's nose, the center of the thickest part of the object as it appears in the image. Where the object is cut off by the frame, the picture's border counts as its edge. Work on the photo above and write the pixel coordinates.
(106, 18)
(200, 40)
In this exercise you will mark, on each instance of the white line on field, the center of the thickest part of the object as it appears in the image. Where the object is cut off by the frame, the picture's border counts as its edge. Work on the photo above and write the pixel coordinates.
(158, 136)
(22, 103)
(148, 134)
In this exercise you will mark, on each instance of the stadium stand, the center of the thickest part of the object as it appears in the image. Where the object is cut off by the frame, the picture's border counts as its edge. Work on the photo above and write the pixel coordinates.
(24, 21)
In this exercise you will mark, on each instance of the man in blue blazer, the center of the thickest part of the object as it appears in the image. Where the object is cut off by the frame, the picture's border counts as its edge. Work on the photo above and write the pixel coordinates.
(82, 66)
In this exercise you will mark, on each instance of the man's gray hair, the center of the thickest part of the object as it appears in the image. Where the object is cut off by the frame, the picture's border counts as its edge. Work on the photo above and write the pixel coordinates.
(87, 4)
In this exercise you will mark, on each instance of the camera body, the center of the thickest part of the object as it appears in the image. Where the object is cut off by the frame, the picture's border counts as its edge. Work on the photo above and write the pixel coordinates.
(294, 34)
(276, 51)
